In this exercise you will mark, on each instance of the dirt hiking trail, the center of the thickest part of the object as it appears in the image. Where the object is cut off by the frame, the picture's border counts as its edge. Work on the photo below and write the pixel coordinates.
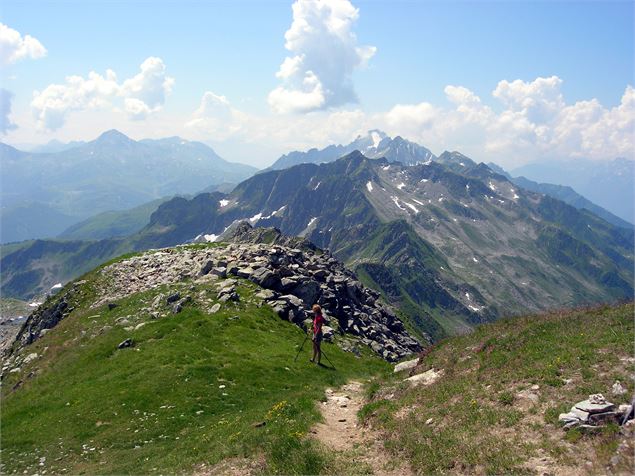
(342, 432)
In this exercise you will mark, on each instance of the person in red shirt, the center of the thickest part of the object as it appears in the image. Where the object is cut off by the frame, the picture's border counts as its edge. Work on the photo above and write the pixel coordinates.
(318, 322)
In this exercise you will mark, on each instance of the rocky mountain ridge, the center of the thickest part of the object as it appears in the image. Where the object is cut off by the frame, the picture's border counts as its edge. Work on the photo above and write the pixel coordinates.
(450, 242)
(292, 280)
(375, 144)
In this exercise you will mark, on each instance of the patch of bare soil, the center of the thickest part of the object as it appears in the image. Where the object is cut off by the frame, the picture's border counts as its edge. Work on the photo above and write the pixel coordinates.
(232, 467)
(342, 432)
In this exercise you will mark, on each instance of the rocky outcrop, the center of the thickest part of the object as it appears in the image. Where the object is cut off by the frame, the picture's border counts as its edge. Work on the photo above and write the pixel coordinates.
(292, 280)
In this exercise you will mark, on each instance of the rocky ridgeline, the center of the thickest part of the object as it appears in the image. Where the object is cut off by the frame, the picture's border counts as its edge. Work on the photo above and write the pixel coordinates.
(293, 279)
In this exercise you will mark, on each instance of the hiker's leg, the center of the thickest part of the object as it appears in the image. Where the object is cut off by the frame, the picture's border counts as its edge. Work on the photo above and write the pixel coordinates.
(319, 352)
(314, 351)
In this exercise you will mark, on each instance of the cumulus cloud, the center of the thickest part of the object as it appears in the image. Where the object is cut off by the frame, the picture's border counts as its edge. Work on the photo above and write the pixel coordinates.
(533, 123)
(146, 91)
(5, 111)
(217, 119)
(529, 121)
(324, 55)
(14, 46)
(143, 94)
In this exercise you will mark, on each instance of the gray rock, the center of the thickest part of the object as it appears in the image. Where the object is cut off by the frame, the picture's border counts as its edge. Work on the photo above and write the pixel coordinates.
(604, 418)
(265, 278)
(407, 365)
(126, 343)
(30, 358)
(589, 407)
(308, 291)
(112, 305)
(291, 299)
(266, 294)
(206, 268)
(219, 271)
(215, 308)
(328, 332)
(177, 308)
(580, 414)
(617, 388)
(245, 272)
(173, 298)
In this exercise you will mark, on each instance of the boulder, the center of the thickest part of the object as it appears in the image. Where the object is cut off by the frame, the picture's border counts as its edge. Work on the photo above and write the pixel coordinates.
(245, 272)
(126, 343)
(425, 378)
(219, 271)
(206, 268)
(308, 291)
(265, 278)
(407, 365)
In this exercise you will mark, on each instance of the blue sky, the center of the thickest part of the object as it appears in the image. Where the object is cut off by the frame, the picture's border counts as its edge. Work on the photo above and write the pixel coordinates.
(234, 49)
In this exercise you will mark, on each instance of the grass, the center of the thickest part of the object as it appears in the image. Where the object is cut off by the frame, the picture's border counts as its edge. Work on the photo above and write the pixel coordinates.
(195, 388)
(482, 420)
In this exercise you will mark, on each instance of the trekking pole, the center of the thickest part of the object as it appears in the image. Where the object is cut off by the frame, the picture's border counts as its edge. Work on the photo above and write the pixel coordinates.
(327, 358)
(301, 347)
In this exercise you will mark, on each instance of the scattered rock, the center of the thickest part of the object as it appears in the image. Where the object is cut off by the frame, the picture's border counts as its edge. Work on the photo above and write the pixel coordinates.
(215, 308)
(407, 365)
(112, 305)
(173, 298)
(29, 358)
(425, 378)
(617, 388)
(126, 343)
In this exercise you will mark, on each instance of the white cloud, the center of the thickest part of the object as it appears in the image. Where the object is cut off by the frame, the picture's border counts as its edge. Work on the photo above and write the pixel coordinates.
(533, 123)
(14, 47)
(325, 54)
(147, 90)
(216, 119)
(6, 124)
(143, 94)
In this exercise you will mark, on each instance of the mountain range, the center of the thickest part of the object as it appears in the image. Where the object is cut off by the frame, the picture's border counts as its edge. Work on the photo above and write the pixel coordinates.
(373, 145)
(610, 185)
(44, 193)
(450, 242)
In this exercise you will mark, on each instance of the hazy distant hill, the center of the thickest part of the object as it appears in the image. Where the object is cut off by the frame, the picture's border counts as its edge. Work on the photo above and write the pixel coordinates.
(610, 185)
(112, 172)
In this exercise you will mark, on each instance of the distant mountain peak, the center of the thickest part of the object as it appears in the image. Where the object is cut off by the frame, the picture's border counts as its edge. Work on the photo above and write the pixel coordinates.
(113, 136)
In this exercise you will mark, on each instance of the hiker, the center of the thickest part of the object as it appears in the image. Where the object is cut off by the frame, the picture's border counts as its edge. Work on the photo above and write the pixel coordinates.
(318, 321)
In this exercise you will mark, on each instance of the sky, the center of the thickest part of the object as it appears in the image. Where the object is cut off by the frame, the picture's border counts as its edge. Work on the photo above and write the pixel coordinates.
(509, 82)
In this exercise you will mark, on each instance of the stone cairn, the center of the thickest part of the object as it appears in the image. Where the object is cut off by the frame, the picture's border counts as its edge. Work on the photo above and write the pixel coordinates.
(594, 412)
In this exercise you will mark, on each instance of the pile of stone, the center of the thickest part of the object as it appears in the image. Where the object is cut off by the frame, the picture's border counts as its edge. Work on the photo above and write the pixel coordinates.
(593, 412)
(292, 280)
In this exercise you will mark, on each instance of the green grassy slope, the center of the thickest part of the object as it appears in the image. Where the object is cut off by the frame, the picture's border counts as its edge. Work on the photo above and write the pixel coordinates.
(479, 417)
(113, 224)
(194, 389)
